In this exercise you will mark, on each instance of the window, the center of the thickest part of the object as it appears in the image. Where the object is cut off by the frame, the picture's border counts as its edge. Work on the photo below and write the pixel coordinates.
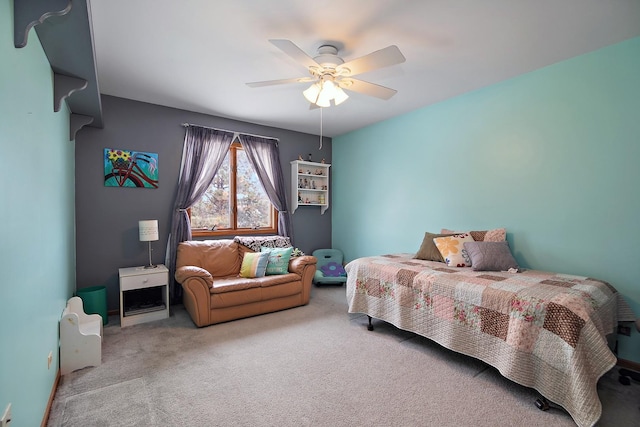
(235, 202)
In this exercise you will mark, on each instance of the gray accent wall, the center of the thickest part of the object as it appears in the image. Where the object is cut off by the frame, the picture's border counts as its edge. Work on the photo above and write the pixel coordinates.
(107, 217)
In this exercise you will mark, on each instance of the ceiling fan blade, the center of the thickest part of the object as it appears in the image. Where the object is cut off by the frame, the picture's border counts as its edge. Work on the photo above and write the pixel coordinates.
(281, 82)
(386, 57)
(367, 88)
(288, 47)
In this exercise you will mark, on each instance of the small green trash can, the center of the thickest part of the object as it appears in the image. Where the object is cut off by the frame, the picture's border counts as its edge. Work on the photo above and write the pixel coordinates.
(94, 301)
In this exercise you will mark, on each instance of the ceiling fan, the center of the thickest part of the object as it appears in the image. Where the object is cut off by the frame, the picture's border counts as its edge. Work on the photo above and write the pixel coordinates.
(330, 74)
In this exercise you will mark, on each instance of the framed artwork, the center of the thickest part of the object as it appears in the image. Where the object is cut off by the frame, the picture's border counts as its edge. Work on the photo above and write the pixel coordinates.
(128, 168)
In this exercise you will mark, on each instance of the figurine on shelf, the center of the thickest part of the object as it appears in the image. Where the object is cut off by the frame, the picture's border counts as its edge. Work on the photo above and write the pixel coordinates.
(299, 156)
(299, 198)
(322, 161)
(309, 159)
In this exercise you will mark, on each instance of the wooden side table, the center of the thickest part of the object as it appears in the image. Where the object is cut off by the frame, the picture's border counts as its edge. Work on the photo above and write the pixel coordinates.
(144, 294)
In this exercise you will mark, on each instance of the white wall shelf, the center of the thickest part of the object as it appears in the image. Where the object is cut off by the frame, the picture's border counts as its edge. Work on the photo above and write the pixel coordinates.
(309, 185)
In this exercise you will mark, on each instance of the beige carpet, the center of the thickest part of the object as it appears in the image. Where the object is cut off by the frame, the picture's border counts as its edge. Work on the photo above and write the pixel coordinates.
(310, 366)
(126, 403)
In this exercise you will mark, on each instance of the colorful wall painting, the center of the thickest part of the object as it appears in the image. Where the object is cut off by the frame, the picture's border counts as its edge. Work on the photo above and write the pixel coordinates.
(127, 168)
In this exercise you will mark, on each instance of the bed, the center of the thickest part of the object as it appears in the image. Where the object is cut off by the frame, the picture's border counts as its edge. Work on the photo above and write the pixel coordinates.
(540, 329)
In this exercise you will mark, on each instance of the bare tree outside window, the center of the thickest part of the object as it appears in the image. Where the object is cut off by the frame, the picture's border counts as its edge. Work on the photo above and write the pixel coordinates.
(239, 192)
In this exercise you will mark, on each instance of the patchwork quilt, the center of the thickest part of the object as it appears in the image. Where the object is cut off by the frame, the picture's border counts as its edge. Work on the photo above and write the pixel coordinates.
(540, 329)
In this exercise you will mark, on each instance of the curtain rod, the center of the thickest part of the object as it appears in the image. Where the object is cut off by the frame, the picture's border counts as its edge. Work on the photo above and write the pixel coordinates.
(235, 133)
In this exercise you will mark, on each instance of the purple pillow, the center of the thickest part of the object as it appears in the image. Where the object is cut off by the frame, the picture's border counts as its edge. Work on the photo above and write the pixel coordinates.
(490, 256)
(333, 269)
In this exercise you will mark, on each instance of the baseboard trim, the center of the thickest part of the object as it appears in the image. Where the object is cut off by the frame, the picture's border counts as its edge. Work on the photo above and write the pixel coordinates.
(47, 411)
(634, 366)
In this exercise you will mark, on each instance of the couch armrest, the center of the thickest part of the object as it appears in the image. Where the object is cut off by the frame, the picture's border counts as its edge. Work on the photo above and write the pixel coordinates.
(298, 264)
(196, 283)
(305, 267)
(187, 271)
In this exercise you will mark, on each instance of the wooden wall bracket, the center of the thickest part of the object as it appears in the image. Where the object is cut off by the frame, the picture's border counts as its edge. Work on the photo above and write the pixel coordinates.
(27, 14)
(66, 36)
(63, 87)
(77, 122)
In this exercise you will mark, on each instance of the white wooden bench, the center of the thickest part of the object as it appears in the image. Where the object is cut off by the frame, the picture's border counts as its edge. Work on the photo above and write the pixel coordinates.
(80, 338)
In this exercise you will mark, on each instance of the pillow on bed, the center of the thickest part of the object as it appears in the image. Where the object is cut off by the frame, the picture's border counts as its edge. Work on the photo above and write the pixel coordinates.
(254, 264)
(495, 235)
(452, 249)
(490, 256)
(428, 250)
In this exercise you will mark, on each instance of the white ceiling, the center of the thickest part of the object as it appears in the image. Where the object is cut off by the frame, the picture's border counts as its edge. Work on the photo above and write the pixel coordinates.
(197, 55)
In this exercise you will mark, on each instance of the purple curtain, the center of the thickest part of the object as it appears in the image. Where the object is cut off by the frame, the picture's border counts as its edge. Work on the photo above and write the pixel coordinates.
(203, 152)
(264, 156)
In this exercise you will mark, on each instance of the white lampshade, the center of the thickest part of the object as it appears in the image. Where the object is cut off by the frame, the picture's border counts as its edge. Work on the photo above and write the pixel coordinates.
(321, 93)
(340, 96)
(148, 230)
(328, 89)
(311, 94)
(323, 100)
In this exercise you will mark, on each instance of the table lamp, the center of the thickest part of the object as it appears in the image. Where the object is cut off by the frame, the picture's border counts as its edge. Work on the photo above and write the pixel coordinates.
(148, 231)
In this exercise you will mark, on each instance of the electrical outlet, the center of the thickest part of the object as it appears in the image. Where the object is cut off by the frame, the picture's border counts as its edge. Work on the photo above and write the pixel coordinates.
(6, 417)
(49, 359)
(624, 330)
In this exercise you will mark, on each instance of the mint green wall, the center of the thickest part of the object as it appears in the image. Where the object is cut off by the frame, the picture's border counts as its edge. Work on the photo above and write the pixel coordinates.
(552, 155)
(37, 255)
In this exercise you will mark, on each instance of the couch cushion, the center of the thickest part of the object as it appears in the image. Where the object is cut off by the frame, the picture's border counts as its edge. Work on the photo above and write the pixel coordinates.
(221, 258)
(268, 296)
(232, 284)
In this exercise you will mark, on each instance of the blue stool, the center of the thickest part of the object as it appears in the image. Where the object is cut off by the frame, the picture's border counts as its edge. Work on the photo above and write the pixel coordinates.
(329, 269)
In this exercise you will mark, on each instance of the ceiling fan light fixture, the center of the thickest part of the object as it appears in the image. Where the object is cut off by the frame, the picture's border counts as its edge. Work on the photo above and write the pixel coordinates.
(340, 96)
(328, 88)
(321, 93)
(329, 73)
(312, 93)
(323, 100)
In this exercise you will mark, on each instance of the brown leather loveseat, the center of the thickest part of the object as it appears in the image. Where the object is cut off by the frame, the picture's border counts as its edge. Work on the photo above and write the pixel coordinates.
(214, 292)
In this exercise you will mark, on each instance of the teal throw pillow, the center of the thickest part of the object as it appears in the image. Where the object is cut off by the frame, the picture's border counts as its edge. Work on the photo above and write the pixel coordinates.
(254, 264)
(278, 260)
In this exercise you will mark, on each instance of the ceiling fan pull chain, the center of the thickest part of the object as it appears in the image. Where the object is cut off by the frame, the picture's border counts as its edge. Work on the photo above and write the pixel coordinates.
(320, 148)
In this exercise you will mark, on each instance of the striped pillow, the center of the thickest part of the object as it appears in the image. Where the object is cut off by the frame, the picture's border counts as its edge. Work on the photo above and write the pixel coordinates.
(254, 264)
